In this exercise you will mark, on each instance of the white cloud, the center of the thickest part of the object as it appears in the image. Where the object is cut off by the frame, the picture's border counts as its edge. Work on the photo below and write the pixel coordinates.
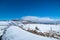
(40, 19)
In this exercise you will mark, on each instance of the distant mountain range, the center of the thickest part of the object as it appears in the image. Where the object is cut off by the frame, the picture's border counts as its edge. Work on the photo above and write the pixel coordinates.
(33, 22)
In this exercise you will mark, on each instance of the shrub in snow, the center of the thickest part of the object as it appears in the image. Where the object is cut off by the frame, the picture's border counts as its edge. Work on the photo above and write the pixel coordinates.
(36, 28)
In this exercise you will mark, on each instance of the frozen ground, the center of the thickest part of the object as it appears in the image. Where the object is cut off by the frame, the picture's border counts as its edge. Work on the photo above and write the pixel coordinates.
(43, 27)
(16, 33)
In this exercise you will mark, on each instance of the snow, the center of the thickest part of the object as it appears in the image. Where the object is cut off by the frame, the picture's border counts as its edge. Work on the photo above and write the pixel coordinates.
(15, 33)
(2, 29)
(4, 23)
(43, 27)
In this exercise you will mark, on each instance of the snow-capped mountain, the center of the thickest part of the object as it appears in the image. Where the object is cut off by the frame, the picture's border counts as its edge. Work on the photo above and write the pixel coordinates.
(41, 20)
(34, 22)
(11, 30)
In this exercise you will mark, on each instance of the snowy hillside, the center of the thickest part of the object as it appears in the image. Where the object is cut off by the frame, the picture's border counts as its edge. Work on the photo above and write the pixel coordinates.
(11, 31)
(43, 27)
(15, 33)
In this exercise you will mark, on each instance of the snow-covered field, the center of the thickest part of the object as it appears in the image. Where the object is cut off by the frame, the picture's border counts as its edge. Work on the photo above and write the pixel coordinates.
(16, 33)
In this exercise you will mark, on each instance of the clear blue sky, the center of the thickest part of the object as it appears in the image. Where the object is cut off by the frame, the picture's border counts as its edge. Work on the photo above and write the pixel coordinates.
(12, 9)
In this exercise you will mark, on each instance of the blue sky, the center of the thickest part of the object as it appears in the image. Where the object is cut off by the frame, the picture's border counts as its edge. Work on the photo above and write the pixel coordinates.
(12, 9)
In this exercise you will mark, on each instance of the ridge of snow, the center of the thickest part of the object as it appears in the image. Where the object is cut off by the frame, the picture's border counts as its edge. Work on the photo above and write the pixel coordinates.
(43, 27)
(15, 33)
